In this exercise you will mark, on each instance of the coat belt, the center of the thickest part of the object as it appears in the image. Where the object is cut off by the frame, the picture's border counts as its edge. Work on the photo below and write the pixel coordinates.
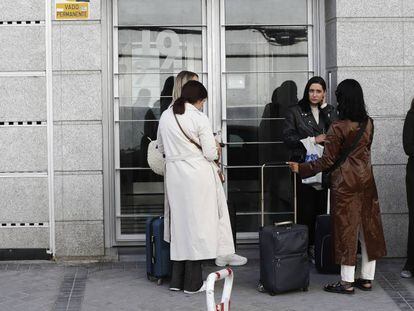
(183, 157)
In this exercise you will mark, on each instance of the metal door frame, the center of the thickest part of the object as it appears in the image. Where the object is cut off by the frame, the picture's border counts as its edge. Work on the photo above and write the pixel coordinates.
(213, 42)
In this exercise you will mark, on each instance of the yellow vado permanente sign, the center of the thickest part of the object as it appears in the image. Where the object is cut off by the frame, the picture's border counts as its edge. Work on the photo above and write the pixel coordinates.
(72, 9)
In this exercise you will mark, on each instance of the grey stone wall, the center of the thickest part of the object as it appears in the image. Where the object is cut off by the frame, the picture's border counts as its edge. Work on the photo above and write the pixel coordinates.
(77, 130)
(78, 154)
(371, 41)
(23, 159)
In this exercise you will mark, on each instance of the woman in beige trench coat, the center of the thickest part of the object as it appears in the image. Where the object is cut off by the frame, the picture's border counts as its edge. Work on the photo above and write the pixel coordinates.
(354, 199)
(195, 204)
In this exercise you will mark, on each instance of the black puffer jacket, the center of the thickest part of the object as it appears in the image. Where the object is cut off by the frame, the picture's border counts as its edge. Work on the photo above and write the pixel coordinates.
(300, 123)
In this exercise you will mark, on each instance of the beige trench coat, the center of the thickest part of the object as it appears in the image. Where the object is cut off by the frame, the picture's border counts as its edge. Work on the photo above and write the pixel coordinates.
(196, 222)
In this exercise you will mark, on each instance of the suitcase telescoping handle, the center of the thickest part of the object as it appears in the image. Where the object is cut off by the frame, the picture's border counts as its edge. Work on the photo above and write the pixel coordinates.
(328, 202)
(281, 164)
(283, 223)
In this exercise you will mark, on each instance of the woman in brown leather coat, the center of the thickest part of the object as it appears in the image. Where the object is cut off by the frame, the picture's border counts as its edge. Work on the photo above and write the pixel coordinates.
(354, 199)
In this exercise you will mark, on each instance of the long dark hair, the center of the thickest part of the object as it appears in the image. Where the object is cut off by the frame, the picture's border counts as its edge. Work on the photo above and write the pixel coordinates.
(192, 92)
(316, 80)
(351, 104)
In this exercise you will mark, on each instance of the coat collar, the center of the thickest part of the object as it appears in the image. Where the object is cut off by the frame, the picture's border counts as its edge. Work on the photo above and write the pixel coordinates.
(306, 114)
(190, 106)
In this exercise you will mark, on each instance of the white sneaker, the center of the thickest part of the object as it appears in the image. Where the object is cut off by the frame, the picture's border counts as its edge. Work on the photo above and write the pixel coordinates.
(231, 260)
(406, 274)
(202, 289)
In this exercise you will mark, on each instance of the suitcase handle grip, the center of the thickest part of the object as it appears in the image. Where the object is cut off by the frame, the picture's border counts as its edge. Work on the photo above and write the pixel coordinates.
(283, 223)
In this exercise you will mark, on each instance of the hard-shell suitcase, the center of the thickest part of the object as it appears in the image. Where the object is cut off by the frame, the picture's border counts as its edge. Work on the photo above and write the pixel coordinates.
(324, 253)
(284, 262)
(157, 251)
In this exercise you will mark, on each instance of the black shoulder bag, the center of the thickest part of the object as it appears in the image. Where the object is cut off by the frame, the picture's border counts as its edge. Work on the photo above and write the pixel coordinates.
(326, 175)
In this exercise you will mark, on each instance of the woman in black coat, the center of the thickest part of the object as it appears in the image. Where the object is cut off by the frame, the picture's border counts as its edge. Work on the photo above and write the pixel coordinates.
(311, 117)
(408, 142)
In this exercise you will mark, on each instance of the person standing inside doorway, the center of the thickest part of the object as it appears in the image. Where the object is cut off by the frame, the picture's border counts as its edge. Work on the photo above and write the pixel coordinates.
(408, 143)
(309, 119)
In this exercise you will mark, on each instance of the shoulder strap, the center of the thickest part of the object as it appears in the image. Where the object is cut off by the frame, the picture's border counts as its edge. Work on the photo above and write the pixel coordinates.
(188, 137)
(348, 150)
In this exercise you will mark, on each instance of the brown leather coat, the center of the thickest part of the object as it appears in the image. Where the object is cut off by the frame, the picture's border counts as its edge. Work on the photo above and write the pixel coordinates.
(354, 198)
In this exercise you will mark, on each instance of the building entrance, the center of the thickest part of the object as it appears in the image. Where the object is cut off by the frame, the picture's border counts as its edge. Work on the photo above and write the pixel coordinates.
(254, 62)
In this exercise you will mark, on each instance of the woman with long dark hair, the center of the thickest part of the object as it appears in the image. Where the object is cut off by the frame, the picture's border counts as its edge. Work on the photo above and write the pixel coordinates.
(309, 120)
(354, 199)
(196, 221)
(408, 142)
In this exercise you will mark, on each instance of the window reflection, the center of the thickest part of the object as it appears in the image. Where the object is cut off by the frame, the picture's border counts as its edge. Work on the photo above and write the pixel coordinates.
(244, 193)
(159, 12)
(256, 153)
(266, 133)
(141, 193)
(159, 49)
(137, 93)
(133, 142)
(266, 12)
(249, 93)
(135, 136)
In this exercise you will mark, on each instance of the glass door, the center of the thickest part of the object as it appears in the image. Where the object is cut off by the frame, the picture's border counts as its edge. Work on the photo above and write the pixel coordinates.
(153, 41)
(266, 59)
(252, 61)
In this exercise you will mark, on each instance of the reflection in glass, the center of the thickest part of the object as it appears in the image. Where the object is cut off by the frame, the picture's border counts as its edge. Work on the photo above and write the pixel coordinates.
(266, 12)
(244, 193)
(140, 92)
(256, 153)
(266, 48)
(133, 225)
(159, 49)
(141, 196)
(256, 90)
(133, 142)
(260, 130)
(159, 12)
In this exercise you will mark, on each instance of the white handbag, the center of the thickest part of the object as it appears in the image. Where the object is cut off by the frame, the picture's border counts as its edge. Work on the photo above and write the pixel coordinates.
(155, 158)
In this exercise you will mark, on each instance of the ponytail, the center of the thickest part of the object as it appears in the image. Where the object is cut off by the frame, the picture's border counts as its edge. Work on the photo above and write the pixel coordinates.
(179, 105)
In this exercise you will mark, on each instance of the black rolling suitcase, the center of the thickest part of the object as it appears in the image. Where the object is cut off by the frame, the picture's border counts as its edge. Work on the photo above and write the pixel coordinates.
(283, 252)
(324, 253)
(157, 251)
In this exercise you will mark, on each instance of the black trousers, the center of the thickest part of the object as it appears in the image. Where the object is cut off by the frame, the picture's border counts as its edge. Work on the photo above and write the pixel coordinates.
(409, 183)
(311, 203)
(186, 275)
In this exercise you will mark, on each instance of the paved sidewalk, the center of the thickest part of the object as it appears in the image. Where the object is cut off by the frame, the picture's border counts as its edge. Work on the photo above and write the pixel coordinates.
(122, 286)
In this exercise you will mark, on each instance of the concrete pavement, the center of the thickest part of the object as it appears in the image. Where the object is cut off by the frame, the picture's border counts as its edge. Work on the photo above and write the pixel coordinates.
(123, 286)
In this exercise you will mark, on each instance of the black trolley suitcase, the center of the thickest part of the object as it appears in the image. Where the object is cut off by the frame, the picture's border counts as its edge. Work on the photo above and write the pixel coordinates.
(157, 251)
(324, 253)
(283, 251)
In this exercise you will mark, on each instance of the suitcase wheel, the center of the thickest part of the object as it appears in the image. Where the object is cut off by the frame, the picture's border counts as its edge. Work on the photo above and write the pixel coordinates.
(260, 288)
(305, 289)
(159, 282)
(272, 293)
